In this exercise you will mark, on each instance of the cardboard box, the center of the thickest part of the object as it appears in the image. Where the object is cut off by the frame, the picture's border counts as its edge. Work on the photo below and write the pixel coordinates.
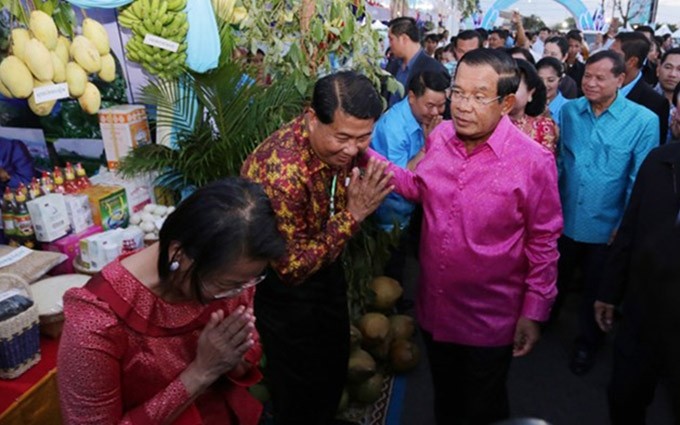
(123, 127)
(137, 189)
(79, 212)
(49, 217)
(98, 250)
(69, 245)
(109, 206)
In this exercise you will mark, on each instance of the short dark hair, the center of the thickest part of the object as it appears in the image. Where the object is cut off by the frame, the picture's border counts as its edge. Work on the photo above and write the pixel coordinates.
(634, 45)
(482, 33)
(432, 80)
(470, 35)
(550, 62)
(353, 93)
(575, 35)
(216, 226)
(501, 33)
(561, 42)
(618, 66)
(545, 29)
(533, 82)
(501, 62)
(673, 51)
(405, 25)
(676, 93)
(432, 37)
(645, 28)
(522, 51)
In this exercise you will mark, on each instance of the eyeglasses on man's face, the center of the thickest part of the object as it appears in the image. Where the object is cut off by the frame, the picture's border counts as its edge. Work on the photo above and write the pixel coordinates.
(455, 95)
(235, 287)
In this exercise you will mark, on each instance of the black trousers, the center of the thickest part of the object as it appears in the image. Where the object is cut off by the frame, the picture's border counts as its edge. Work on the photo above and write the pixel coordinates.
(590, 258)
(638, 368)
(305, 336)
(469, 382)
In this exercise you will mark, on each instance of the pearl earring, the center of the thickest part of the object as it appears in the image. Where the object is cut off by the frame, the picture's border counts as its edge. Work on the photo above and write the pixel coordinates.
(174, 266)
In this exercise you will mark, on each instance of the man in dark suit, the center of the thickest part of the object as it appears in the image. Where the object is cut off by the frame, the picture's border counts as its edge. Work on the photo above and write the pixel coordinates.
(633, 47)
(649, 68)
(409, 59)
(643, 272)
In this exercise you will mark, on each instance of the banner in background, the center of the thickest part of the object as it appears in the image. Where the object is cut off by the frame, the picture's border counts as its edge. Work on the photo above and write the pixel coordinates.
(641, 12)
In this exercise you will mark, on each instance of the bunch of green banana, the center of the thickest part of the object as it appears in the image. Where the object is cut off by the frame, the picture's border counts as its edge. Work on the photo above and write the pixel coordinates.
(162, 18)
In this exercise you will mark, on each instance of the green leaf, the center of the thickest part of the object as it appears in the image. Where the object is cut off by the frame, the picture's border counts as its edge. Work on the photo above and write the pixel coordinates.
(47, 6)
(16, 8)
(317, 31)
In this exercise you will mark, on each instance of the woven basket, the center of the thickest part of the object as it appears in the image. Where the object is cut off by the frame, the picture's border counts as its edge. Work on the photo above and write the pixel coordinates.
(19, 336)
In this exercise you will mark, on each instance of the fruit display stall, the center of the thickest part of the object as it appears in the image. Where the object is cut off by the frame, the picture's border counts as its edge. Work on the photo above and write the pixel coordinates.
(178, 82)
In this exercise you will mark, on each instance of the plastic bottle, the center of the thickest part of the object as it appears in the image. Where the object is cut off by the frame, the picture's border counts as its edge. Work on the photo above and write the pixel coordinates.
(70, 184)
(34, 190)
(58, 181)
(46, 183)
(8, 217)
(81, 177)
(22, 221)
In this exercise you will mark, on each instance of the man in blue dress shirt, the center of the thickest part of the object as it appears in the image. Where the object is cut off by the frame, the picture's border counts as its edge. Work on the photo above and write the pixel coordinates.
(604, 139)
(399, 135)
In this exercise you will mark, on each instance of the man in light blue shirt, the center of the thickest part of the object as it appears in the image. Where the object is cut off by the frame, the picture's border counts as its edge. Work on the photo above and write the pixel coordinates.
(399, 135)
(604, 139)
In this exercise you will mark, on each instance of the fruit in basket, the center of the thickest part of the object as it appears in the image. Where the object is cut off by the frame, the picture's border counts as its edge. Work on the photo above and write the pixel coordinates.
(43, 28)
(44, 108)
(62, 49)
(404, 355)
(19, 38)
(361, 366)
(402, 326)
(387, 292)
(91, 99)
(59, 68)
(86, 54)
(95, 32)
(76, 77)
(38, 60)
(369, 391)
(108, 71)
(16, 76)
(375, 328)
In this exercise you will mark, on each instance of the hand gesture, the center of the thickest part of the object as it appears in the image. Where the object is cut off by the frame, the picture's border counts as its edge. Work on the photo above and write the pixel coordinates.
(434, 122)
(365, 193)
(223, 342)
(516, 17)
(527, 334)
(604, 315)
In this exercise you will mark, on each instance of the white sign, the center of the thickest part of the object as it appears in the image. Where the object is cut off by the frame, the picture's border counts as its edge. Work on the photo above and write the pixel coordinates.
(50, 92)
(161, 43)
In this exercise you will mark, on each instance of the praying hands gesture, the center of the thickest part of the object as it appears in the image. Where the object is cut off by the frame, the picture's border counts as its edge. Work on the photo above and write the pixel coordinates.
(366, 192)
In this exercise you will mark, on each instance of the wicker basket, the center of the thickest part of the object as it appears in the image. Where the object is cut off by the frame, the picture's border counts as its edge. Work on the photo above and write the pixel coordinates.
(19, 336)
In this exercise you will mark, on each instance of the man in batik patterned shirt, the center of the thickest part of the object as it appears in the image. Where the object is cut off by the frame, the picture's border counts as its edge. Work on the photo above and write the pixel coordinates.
(307, 169)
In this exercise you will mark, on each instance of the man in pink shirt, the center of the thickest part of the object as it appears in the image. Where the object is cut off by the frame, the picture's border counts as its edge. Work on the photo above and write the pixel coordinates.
(488, 248)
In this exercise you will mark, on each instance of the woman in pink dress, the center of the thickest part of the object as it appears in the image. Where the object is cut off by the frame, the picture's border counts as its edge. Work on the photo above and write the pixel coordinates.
(166, 334)
(527, 114)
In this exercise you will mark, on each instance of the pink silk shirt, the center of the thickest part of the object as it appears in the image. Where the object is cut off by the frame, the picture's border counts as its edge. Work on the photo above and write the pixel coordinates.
(488, 246)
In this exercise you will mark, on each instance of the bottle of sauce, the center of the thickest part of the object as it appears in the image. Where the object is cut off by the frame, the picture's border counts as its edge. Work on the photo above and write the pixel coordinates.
(46, 183)
(22, 221)
(9, 229)
(70, 184)
(81, 177)
(58, 181)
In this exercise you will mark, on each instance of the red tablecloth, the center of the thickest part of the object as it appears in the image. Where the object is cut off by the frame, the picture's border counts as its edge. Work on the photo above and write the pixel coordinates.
(12, 389)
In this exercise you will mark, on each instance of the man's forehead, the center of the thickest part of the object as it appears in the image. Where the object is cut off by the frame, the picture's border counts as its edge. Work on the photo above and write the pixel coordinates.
(674, 57)
(604, 66)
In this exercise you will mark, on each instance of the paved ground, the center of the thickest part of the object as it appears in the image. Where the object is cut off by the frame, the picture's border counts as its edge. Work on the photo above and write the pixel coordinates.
(540, 384)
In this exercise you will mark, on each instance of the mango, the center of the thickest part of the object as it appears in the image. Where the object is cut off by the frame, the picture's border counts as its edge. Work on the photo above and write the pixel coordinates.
(5, 91)
(76, 78)
(62, 49)
(59, 68)
(108, 72)
(91, 99)
(86, 54)
(44, 29)
(95, 32)
(16, 76)
(39, 60)
(19, 38)
(41, 109)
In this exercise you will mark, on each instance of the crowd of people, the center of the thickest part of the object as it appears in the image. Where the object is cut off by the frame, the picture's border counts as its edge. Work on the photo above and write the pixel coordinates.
(521, 167)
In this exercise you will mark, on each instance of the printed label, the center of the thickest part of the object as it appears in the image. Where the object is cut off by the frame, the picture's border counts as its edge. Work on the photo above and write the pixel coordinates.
(161, 43)
(14, 256)
(50, 92)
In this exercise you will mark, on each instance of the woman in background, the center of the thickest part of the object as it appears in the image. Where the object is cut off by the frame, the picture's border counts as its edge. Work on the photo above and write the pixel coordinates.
(551, 72)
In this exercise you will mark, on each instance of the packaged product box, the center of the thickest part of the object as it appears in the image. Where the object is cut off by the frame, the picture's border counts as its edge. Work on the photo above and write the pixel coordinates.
(49, 217)
(138, 189)
(98, 250)
(69, 245)
(109, 205)
(123, 127)
(79, 212)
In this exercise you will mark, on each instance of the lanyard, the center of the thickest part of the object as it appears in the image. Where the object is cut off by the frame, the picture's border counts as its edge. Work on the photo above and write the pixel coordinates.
(334, 186)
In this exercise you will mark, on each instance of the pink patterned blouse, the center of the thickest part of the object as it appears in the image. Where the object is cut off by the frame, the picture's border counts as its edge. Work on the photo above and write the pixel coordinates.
(541, 128)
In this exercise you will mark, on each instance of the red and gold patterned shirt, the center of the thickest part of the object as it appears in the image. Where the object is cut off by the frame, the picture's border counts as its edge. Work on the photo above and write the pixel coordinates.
(541, 128)
(299, 186)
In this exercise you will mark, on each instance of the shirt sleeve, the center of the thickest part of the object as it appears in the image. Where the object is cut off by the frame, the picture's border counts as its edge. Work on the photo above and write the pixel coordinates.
(89, 364)
(543, 226)
(406, 182)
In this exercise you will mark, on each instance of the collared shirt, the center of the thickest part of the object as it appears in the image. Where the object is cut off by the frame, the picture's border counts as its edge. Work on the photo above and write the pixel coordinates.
(555, 106)
(403, 74)
(398, 137)
(488, 247)
(628, 87)
(671, 113)
(598, 160)
(300, 187)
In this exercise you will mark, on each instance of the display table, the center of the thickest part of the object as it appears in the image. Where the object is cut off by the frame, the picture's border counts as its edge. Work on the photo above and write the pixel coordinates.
(32, 398)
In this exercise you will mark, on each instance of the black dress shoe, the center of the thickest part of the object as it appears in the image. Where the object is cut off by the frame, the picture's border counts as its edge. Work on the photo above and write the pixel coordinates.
(582, 360)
